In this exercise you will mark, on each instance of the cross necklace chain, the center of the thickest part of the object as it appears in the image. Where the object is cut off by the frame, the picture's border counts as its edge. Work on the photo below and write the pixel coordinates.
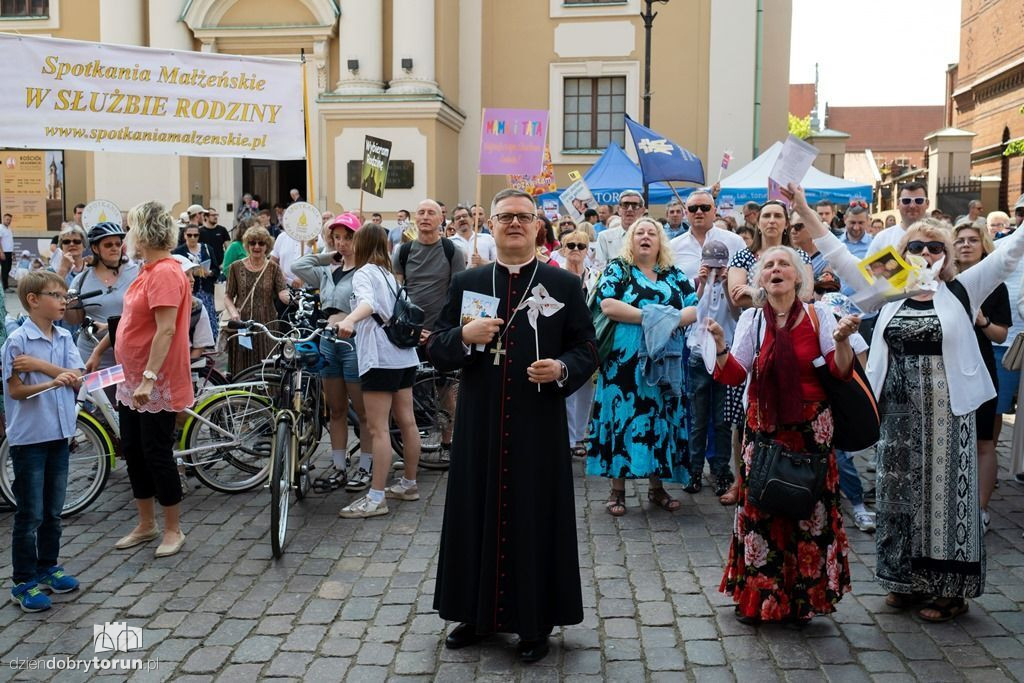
(498, 351)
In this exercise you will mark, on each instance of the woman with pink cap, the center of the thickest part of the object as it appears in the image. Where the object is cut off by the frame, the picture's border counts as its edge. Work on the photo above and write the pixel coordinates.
(332, 273)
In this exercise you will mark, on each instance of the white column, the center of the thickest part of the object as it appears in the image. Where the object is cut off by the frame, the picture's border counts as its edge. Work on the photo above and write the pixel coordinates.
(361, 37)
(122, 21)
(166, 29)
(413, 37)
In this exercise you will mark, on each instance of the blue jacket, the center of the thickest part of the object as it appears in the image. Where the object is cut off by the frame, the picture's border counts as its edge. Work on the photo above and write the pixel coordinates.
(661, 353)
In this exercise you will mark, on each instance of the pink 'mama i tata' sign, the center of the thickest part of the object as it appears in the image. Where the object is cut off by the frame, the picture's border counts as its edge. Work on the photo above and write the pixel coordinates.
(512, 141)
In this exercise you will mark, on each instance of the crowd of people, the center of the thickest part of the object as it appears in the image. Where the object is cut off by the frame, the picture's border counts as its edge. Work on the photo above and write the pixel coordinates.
(664, 347)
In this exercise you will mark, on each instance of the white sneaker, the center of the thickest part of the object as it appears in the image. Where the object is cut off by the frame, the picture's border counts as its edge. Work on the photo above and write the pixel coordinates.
(864, 520)
(359, 481)
(364, 507)
(398, 491)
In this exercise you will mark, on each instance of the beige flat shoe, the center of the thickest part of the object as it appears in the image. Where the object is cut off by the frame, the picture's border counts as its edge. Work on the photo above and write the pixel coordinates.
(133, 539)
(168, 549)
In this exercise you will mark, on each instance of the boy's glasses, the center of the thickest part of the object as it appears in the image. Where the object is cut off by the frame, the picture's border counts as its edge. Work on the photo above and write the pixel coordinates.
(62, 296)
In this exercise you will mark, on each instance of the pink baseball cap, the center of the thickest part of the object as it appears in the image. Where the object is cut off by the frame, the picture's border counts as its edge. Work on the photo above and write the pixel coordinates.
(345, 220)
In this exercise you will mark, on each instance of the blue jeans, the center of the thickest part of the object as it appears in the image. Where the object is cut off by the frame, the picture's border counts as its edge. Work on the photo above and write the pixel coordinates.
(849, 479)
(707, 405)
(40, 484)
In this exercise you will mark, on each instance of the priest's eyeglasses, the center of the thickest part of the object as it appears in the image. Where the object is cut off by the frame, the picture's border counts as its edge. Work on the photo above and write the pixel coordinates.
(507, 218)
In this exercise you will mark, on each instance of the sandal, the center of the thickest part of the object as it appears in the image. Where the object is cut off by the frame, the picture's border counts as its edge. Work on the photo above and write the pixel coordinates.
(616, 504)
(330, 480)
(579, 451)
(948, 609)
(903, 600)
(659, 496)
(731, 496)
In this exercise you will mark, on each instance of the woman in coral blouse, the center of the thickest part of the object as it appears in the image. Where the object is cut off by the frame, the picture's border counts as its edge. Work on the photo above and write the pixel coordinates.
(152, 344)
(780, 568)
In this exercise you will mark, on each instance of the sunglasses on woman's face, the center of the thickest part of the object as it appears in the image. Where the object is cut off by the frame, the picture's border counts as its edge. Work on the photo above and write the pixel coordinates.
(191, 234)
(934, 247)
(256, 244)
(576, 246)
(65, 242)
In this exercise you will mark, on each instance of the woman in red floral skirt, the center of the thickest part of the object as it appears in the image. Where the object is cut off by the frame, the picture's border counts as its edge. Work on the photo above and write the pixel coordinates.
(781, 568)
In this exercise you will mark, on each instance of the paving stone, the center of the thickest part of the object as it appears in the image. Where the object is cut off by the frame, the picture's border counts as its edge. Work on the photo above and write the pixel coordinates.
(256, 649)
(206, 659)
(231, 632)
(291, 664)
(656, 614)
(327, 669)
(377, 654)
(621, 628)
(876, 662)
(616, 649)
(705, 652)
(664, 659)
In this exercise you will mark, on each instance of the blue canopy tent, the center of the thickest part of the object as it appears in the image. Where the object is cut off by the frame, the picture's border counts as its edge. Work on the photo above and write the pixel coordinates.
(750, 183)
(615, 172)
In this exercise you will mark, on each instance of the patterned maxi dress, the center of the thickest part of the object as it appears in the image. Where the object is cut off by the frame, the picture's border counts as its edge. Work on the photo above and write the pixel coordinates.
(779, 568)
(929, 526)
(260, 307)
(637, 430)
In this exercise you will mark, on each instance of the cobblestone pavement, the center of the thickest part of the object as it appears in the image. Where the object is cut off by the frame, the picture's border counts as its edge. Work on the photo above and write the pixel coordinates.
(351, 600)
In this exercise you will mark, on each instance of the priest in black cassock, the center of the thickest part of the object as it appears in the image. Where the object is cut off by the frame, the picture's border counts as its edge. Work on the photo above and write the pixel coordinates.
(509, 560)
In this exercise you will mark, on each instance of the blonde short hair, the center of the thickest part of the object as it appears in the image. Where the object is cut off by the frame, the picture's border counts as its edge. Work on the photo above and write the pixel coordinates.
(257, 233)
(987, 243)
(152, 227)
(585, 226)
(933, 230)
(665, 260)
(804, 284)
(996, 214)
(576, 236)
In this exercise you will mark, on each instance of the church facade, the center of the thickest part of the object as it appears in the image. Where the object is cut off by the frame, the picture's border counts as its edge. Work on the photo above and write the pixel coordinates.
(418, 72)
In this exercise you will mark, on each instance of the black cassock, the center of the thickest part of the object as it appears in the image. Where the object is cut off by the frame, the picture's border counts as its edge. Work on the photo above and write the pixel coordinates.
(509, 560)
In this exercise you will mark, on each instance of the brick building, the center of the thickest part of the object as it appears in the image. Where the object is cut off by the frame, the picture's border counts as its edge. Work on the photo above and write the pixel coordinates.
(895, 135)
(985, 90)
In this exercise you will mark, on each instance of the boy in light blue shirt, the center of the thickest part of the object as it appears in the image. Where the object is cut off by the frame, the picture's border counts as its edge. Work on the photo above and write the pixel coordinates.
(42, 370)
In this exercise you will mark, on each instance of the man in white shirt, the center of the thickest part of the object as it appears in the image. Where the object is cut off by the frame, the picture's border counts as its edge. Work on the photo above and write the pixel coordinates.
(913, 206)
(485, 250)
(7, 247)
(609, 242)
(286, 250)
(686, 248)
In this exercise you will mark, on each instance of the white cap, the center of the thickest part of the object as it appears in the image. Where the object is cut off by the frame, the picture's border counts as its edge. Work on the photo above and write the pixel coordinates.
(185, 263)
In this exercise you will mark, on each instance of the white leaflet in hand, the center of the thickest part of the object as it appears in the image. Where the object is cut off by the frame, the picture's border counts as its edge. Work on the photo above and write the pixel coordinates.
(707, 309)
(794, 160)
(476, 305)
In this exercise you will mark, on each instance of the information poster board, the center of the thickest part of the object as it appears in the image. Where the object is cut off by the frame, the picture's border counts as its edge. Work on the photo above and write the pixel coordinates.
(32, 188)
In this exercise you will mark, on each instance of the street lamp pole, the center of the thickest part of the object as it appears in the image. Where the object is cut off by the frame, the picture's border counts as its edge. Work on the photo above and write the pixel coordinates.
(648, 16)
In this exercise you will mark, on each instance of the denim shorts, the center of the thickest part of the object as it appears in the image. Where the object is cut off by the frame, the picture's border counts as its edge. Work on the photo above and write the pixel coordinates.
(339, 361)
(1008, 380)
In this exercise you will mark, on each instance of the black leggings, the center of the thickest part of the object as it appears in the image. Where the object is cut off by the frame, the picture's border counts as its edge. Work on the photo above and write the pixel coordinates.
(147, 441)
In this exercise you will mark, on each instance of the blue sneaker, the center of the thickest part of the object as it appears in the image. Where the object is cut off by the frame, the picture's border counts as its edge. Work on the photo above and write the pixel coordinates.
(30, 598)
(57, 581)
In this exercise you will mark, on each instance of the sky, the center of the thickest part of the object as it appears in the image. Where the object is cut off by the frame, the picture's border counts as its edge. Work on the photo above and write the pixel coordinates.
(855, 43)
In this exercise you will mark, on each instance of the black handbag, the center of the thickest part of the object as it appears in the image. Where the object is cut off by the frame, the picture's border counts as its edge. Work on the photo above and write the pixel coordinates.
(784, 483)
(855, 417)
(781, 482)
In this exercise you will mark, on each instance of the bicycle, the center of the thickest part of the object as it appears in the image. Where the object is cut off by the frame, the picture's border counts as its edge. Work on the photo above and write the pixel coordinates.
(434, 414)
(228, 431)
(298, 421)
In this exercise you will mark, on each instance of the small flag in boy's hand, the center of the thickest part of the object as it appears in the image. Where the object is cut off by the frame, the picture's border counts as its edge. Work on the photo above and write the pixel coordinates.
(103, 378)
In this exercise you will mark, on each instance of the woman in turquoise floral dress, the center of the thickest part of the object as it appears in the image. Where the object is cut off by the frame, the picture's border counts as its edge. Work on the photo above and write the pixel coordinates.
(637, 430)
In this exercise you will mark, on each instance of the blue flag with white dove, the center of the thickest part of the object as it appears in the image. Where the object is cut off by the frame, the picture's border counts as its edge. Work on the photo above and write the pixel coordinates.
(662, 159)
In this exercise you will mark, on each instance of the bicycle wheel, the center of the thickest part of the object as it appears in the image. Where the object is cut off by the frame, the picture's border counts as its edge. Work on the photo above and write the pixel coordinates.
(232, 467)
(204, 379)
(433, 418)
(280, 486)
(88, 466)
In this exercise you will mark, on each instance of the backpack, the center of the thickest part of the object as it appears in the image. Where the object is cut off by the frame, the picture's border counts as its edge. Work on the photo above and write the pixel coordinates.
(406, 249)
(406, 323)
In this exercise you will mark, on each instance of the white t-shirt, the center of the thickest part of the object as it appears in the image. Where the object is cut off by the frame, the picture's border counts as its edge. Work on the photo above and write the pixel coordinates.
(484, 244)
(286, 250)
(890, 237)
(686, 250)
(375, 286)
(6, 239)
(609, 245)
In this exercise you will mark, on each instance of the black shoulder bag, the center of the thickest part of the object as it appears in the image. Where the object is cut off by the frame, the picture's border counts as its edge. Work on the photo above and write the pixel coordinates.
(404, 326)
(781, 482)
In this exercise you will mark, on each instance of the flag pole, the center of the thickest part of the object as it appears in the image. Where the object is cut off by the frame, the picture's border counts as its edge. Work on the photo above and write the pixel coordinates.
(672, 187)
(305, 134)
(479, 177)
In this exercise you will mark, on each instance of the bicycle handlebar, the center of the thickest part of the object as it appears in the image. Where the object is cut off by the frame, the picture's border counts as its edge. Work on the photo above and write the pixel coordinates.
(260, 327)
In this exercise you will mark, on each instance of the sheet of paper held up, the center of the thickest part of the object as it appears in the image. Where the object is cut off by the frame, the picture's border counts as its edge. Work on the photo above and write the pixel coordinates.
(791, 166)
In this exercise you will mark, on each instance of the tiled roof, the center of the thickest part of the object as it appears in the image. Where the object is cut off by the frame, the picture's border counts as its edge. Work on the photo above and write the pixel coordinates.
(801, 99)
(883, 129)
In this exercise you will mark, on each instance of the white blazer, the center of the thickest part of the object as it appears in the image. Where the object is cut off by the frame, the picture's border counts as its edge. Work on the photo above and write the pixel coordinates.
(966, 375)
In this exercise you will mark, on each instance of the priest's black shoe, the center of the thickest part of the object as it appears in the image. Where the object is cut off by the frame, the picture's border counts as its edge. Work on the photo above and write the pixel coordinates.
(463, 635)
(533, 650)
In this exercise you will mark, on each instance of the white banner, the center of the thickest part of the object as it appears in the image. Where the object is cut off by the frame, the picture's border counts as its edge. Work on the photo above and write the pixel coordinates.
(70, 94)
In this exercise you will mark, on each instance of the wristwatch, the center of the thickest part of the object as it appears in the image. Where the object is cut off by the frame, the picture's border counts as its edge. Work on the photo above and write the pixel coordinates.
(149, 374)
